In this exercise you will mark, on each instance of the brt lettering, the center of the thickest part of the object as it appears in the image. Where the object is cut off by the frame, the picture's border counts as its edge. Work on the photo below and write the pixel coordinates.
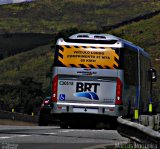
(83, 87)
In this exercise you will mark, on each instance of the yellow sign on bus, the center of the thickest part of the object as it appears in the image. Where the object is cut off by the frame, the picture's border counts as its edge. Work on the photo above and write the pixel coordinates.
(97, 57)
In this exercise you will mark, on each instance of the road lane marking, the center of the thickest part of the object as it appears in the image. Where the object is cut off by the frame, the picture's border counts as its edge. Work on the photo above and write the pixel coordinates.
(51, 133)
(14, 136)
(5, 137)
(66, 131)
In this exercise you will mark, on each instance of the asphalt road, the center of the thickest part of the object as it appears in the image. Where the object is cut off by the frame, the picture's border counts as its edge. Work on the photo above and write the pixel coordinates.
(52, 137)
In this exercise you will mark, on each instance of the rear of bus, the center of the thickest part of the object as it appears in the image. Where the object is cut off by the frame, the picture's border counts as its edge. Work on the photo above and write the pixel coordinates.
(87, 80)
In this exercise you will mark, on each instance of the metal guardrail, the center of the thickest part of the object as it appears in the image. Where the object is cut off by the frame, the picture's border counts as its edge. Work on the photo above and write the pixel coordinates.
(18, 116)
(139, 133)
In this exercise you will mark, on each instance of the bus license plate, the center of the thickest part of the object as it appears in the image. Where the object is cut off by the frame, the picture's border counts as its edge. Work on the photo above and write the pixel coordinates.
(85, 110)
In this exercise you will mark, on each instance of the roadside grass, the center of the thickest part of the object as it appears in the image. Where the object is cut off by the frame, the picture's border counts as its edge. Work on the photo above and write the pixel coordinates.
(36, 63)
(145, 34)
(16, 123)
(83, 14)
(59, 15)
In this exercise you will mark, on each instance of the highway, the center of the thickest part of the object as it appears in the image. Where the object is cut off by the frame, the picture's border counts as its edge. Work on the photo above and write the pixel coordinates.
(52, 137)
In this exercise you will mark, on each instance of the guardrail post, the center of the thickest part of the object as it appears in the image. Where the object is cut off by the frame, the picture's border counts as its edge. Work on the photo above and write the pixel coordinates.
(136, 115)
(151, 121)
(150, 108)
(144, 120)
(157, 122)
(13, 110)
(13, 117)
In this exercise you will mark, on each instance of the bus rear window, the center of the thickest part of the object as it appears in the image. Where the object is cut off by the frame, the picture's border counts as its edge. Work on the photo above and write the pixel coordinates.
(86, 57)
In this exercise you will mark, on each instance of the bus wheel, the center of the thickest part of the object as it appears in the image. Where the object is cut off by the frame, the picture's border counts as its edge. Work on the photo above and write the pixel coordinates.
(63, 125)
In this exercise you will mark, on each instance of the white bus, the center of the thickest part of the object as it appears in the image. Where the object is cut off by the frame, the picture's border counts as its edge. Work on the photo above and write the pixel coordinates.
(98, 77)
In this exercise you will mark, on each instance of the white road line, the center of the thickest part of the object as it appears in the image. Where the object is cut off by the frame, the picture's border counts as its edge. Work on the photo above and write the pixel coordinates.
(5, 137)
(66, 131)
(77, 130)
(51, 133)
(14, 136)
(23, 135)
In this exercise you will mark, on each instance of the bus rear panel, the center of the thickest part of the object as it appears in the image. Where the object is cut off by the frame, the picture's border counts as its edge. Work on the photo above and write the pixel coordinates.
(87, 78)
(86, 94)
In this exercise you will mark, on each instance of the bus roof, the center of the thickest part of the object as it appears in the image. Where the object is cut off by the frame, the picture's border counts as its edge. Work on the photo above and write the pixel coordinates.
(87, 39)
(94, 36)
(105, 40)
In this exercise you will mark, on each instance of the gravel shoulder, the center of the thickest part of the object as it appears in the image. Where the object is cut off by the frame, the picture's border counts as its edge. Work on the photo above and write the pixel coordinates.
(16, 123)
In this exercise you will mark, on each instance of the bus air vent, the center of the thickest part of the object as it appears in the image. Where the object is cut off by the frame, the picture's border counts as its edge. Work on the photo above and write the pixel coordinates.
(100, 37)
(82, 36)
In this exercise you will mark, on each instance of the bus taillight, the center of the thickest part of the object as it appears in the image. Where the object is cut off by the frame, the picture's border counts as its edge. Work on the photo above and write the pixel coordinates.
(119, 92)
(54, 88)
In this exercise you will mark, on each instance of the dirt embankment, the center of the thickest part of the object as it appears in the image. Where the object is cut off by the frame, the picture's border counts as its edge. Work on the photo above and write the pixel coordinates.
(18, 119)
(16, 123)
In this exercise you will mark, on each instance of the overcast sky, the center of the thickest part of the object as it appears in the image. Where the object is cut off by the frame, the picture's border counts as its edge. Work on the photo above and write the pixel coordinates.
(12, 1)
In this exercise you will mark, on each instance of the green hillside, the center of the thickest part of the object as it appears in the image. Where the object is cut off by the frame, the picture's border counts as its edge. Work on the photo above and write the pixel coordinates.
(48, 16)
(35, 64)
(25, 79)
(11, 44)
(145, 34)
(52, 16)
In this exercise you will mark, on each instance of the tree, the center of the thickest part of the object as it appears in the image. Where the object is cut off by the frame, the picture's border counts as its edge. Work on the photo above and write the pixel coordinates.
(30, 90)
(27, 94)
